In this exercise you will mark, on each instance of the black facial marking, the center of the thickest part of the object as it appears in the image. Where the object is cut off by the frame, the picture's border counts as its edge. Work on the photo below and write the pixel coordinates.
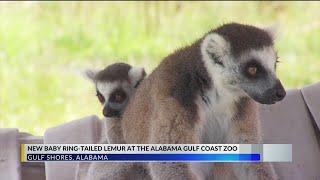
(116, 103)
(118, 96)
(260, 71)
(100, 97)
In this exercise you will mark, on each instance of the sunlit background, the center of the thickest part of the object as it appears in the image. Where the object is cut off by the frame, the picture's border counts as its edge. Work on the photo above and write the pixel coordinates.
(44, 47)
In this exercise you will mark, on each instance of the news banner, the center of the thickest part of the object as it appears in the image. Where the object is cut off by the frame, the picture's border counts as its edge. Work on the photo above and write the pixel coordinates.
(157, 152)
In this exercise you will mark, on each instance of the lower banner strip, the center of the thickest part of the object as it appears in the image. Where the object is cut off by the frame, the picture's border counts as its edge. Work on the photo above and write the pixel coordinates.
(146, 157)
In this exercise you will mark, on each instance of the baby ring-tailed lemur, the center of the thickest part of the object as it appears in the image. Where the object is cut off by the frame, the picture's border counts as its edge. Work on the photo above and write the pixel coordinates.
(114, 86)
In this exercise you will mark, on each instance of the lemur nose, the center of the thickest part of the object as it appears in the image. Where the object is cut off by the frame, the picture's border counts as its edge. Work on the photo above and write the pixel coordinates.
(110, 112)
(280, 93)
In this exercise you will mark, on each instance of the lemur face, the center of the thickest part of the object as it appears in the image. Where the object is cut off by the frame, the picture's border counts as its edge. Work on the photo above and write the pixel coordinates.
(113, 96)
(256, 76)
(242, 58)
(114, 86)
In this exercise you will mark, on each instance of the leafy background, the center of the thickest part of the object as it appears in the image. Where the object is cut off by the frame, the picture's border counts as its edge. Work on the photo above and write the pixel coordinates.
(44, 47)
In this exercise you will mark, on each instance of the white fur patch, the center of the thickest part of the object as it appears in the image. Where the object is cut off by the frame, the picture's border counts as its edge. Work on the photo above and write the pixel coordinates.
(216, 117)
(215, 44)
(136, 74)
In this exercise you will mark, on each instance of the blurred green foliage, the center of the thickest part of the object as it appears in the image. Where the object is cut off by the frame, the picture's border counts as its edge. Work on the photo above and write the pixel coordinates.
(44, 47)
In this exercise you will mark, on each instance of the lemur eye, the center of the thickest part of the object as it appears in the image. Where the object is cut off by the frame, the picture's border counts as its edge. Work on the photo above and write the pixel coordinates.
(118, 96)
(100, 97)
(252, 70)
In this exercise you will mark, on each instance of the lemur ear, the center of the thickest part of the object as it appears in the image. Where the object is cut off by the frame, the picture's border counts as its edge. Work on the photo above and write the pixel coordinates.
(136, 74)
(214, 47)
(272, 30)
(90, 74)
